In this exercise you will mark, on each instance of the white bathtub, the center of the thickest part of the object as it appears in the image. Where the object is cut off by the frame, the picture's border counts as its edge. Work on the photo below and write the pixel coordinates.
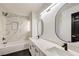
(11, 47)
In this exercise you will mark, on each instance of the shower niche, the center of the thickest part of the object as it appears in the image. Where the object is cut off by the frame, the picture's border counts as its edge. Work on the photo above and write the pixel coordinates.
(75, 27)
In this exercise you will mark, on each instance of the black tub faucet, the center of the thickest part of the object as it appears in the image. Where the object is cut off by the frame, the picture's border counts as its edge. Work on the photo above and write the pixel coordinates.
(3, 39)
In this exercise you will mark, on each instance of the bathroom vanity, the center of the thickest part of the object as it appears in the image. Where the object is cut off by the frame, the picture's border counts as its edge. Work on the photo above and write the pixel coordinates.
(40, 47)
(34, 49)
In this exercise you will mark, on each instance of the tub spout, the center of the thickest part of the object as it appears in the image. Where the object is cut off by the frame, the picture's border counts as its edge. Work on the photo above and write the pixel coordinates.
(4, 42)
(3, 39)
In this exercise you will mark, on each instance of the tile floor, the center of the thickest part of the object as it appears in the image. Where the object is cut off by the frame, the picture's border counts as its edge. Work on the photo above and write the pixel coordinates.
(20, 53)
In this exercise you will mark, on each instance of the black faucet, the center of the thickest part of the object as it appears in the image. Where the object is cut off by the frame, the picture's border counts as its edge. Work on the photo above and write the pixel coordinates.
(38, 36)
(65, 46)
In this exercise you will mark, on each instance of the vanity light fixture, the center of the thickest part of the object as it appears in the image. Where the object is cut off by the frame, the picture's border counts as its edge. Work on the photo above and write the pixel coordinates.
(48, 9)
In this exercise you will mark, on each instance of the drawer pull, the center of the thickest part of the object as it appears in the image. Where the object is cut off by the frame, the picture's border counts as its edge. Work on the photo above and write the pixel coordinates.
(36, 50)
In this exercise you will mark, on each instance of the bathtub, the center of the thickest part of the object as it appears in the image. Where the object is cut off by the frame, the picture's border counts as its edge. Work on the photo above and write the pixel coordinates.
(11, 47)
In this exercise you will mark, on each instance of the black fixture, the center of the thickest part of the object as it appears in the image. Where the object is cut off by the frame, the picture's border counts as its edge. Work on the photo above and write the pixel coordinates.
(38, 36)
(65, 46)
(3, 39)
(5, 13)
(75, 27)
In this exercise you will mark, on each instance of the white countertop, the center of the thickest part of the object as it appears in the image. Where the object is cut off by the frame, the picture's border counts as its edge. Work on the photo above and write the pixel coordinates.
(43, 45)
(74, 47)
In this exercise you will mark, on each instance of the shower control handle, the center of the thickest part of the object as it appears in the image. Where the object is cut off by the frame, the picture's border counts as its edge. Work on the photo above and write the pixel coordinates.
(3, 39)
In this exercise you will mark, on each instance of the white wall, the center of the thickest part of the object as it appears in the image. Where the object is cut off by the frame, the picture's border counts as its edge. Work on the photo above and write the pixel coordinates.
(34, 24)
(49, 25)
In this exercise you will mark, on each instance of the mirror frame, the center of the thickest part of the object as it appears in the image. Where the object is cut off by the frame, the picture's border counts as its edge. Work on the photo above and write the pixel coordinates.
(42, 29)
(55, 27)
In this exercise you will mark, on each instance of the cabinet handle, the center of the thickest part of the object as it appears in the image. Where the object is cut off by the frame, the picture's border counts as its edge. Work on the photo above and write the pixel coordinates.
(32, 45)
(36, 50)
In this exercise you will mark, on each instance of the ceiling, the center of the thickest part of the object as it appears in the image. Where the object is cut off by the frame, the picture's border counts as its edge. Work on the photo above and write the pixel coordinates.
(23, 8)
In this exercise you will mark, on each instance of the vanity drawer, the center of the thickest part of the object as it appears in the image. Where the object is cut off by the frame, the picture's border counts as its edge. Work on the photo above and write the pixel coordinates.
(41, 53)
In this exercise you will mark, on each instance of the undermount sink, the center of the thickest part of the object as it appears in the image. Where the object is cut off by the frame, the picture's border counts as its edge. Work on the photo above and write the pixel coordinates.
(54, 51)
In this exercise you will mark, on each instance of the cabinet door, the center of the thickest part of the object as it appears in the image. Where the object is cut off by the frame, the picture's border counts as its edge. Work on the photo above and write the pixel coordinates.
(36, 51)
(32, 49)
(41, 53)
